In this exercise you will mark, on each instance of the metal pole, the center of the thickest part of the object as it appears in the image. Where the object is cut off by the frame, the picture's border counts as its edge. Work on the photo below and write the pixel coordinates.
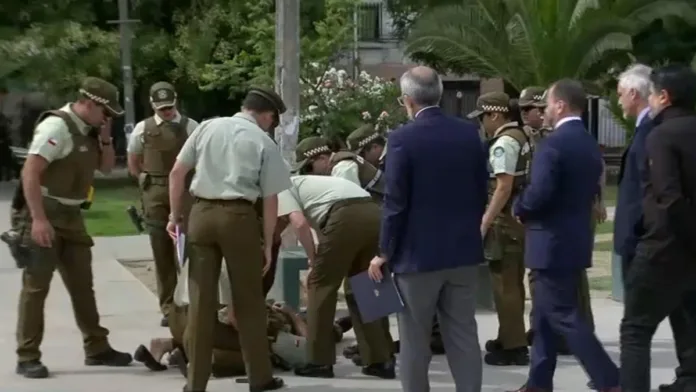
(126, 35)
(287, 74)
(356, 71)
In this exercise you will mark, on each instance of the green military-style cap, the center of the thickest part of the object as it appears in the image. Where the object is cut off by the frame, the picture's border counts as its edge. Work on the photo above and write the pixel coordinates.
(271, 96)
(532, 96)
(103, 93)
(162, 95)
(309, 148)
(361, 137)
(493, 102)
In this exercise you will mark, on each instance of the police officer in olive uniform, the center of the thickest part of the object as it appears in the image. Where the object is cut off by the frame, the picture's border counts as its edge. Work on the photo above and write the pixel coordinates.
(152, 150)
(347, 221)
(69, 144)
(510, 153)
(532, 103)
(368, 143)
(317, 158)
(236, 163)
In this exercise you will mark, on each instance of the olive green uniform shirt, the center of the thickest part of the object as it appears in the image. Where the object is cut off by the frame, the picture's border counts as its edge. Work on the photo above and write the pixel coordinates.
(314, 196)
(234, 159)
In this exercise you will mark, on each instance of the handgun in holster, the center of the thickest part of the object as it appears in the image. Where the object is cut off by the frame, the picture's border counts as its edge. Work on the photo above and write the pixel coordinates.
(136, 218)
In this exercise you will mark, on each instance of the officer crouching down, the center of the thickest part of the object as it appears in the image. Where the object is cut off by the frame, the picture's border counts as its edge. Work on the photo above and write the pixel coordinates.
(66, 150)
(349, 221)
(236, 163)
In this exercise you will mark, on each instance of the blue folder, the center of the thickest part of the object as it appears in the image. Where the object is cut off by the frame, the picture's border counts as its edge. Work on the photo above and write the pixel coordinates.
(376, 299)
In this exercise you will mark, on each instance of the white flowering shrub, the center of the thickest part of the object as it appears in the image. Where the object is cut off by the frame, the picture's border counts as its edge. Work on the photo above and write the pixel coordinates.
(334, 105)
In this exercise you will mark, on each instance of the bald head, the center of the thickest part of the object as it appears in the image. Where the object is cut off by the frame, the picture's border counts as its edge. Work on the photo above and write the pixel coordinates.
(423, 85)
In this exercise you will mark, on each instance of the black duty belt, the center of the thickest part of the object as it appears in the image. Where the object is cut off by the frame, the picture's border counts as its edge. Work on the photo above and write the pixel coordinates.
(223, 202)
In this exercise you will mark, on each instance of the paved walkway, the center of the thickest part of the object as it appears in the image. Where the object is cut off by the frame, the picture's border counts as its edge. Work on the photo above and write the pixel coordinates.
(130, 311)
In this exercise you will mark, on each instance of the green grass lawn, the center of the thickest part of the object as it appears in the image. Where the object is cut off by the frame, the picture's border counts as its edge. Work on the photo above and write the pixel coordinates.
(107, 215)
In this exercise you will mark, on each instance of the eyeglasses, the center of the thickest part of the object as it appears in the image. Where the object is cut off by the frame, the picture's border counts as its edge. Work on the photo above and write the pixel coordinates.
(400, 100)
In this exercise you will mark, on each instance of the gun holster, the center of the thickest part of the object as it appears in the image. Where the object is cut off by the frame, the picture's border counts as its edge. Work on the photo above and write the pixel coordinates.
(492, 244)
(144, 181)
(21, 253)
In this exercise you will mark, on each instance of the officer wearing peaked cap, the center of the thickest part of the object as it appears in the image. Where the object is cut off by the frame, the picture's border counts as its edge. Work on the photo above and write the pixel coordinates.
(509, 155)
(368, 143)
(68, 145)
(314, 156)
(532, 104)
(236, 164)
(152, 150)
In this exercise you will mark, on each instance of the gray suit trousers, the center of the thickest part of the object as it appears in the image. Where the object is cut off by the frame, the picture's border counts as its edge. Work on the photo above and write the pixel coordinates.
(452, 295)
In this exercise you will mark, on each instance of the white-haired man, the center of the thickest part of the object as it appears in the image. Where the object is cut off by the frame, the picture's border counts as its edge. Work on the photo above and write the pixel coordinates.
(435, 197)
(633, 91)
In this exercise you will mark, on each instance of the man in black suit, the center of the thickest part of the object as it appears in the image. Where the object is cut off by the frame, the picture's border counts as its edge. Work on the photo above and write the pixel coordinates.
(660, 280)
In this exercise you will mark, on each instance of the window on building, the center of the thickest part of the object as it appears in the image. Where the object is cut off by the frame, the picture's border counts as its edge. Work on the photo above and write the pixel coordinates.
(370, 22)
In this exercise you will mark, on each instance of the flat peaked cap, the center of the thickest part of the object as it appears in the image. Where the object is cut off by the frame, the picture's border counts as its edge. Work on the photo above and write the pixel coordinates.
(361, 137)
(162, 95)
(532, 96)
(103, 93)
(271, 96)
(493, 102)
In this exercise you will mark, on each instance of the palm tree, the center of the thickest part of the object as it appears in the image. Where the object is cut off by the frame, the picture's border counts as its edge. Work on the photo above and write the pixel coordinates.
(535, 42)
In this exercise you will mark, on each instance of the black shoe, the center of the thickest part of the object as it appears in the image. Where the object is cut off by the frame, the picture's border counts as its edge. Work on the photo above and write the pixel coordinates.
(512, 357)
(316, 371)
(178, 360)
(437, 346)
(679, 385)
(164, 322)
(351, 351)
(275, 383)
(226, 371)
(493, 345)
(530, 337)
(144, 356)
(109, 357)
(385, 370)
(32, 369)
(346, 323)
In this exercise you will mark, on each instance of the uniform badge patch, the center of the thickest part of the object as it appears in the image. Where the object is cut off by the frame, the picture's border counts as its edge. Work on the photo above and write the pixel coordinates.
(83, 148)
(498, 152)
(162, 94)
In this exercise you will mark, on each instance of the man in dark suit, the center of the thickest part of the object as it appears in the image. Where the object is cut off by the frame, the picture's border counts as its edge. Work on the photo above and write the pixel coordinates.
(660, 281)
(633, 91)
(556, 208)
(435, 199)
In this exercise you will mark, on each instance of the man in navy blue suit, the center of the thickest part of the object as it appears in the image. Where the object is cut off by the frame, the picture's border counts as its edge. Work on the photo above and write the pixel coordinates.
(633, 91)
(436, 194)
(556, 208)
